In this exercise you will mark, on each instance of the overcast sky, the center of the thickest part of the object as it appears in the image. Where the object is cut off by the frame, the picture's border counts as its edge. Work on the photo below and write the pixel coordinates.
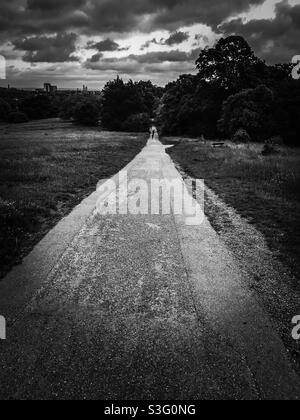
(76, 42)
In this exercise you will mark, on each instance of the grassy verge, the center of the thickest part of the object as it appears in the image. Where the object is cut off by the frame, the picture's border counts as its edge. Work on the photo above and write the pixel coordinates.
(46, 168)
(264, 190)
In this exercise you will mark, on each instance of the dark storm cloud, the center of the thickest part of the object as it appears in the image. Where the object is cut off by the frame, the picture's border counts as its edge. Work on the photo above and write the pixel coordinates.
(137, 63)
(95, 58)
(21, 17)
(160, 56)
(54, 5)
(44, 31)
(275, 40)
(107, 45)
(55, 49)
(102, 46)
(159, 67)
(123, 66)
(175, 38)
(177, 13)
(174, 56)
(127, 15)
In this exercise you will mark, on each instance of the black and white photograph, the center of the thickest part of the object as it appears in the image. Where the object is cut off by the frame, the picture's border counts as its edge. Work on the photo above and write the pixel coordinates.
(149, 203)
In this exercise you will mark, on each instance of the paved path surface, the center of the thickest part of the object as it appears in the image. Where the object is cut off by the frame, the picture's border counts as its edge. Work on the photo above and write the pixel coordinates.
(137, 307)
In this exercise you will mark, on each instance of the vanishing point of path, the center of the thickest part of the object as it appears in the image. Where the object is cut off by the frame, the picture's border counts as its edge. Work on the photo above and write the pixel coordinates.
(137, 307)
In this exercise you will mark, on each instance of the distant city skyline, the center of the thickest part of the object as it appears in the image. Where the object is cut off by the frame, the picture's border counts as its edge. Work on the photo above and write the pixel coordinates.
(72, 43)
(43, 88)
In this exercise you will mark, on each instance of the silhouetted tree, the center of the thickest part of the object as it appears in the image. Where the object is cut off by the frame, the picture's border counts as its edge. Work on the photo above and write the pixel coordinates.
(17, 117)
(250, 110)
(68, 106)
(233, 90)
(120, 101)
(286, 111)
(5, 110)
(231, 63)
(39, 107)
(87, 112)
(138, 123)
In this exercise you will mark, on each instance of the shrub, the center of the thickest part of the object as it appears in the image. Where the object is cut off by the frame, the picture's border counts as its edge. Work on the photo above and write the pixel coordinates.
(241, 136)
(271, 146)
(17, 117)
(69, 106)
(5, 110)
(269, 150)
(39, 107)
(275, 141)
(249, 109)
(10, 215)
(137, 123)
(87, 113)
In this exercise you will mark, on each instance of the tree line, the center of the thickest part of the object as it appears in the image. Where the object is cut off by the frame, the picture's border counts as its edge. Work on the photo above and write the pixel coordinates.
(234, 95)
(120, 107)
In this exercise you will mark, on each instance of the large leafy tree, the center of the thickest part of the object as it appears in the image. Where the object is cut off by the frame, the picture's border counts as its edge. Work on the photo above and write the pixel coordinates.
(191, 106)
(138, 123)
(177, 93)
(121, 101)
(231, 63)
(5, 110)
(286, 111)
(250, 110)
(87, 112)
(113, 110)
(38, 107)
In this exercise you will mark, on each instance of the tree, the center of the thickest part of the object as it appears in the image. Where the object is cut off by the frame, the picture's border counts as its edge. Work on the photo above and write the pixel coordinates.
(190, 106)
(250, 110)
(231, 63)
(17, 117)
(87, 112)
(171, 103)
(286, 111)
(5, 110)
(114, 112)
(38, 107)
(68, 106)
(122, 100)
(138, 123)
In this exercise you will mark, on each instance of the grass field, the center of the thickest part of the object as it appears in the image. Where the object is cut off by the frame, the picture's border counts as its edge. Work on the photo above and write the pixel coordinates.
(264, 190)
(46, 168)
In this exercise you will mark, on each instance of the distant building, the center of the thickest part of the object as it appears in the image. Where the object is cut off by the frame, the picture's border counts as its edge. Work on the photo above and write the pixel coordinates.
(48, 88)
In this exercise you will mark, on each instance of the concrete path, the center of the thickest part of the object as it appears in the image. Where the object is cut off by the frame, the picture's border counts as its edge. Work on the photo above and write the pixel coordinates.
(137, 307)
